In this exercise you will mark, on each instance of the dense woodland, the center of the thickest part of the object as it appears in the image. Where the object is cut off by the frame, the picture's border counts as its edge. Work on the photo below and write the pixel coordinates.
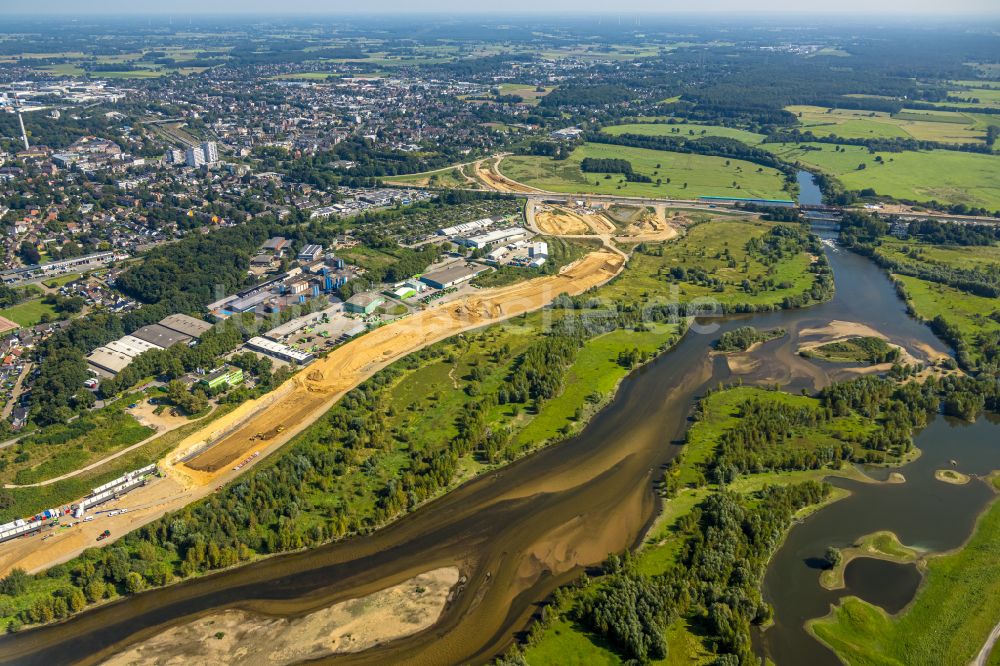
(744, 337)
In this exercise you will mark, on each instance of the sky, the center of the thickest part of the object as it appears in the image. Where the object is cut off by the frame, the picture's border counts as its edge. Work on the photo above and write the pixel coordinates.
(900, 8)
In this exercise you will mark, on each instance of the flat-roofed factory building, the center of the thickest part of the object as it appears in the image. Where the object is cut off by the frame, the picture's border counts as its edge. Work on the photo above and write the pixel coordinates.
(452, 275)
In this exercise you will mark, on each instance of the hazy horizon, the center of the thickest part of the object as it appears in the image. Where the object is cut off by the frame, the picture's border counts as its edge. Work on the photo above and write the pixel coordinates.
(902, 9)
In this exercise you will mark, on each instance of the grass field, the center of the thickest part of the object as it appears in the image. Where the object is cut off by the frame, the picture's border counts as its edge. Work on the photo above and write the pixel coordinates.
(62, 448)
(590, 383)
(970, 313)
(689, 176)
(57, 282)
(959, 256)
(702, 248)
(954, 611)
(687, 130)
(28, 313)
(527, 92)
(946, 176)
(942, 126)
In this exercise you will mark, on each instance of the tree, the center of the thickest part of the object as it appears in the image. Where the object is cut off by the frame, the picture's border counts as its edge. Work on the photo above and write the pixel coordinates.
(14, 583)
(134, 582)
(832, 557)
(29, 253)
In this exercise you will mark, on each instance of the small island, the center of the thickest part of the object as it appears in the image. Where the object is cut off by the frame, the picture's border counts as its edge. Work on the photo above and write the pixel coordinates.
(743, 338)
(952, 476)
(861, 349)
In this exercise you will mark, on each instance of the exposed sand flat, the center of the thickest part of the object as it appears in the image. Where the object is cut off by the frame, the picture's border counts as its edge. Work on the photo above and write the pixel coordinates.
(652, 225)
(562, 221)
(213, 451)
(559, 222)
(241, 637)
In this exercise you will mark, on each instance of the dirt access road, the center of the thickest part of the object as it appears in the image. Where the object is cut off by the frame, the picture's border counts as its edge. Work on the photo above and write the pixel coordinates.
(205, 460)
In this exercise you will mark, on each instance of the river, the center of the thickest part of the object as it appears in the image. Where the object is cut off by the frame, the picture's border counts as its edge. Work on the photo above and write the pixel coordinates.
(516, 535)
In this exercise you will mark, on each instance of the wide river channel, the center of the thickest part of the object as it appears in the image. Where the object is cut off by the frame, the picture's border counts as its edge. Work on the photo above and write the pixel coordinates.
(541, 521)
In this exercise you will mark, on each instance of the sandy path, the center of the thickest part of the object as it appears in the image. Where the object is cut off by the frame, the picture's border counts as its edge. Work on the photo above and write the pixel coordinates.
(296, 404)
(241, 637)
(984, 654)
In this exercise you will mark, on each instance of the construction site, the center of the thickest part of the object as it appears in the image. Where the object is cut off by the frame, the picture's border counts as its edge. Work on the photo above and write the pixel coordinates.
(228, 446)
(487, 173)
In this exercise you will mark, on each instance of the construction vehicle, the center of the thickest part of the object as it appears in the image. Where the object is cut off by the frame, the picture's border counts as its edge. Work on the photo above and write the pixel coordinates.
(104, 535)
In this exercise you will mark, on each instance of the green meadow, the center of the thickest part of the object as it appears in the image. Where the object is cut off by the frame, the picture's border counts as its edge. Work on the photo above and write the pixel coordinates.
(686, 176)
(941, 126)
(945, 176)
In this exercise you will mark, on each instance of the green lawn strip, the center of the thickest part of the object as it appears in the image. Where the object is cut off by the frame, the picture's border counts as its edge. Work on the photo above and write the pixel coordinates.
(704, 175)
(947, 623)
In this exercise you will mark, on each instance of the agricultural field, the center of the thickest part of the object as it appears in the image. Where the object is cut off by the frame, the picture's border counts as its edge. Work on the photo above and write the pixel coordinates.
(688, 130)
(941, 126)
(945, 176)
(712, 251)
(956, 606)
(530, 94)
(685, 176)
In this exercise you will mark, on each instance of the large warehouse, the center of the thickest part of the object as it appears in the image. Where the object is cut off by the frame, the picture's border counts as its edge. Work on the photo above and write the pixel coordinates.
(452, 275)
(498, 237)
(278, 350)
(112, 358)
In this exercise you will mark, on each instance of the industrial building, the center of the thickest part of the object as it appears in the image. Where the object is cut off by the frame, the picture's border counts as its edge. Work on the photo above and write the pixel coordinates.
(107, 362)
(226, 375)
(310, 253)
(186, 324)
(466, 227)
(161, 336)
(363, 303)
(492, 238)
(112, 358)
(279, 351)
(452, 275)
(276, 244)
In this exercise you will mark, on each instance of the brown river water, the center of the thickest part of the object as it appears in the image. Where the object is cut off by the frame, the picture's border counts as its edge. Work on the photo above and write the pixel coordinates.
(517, 535)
